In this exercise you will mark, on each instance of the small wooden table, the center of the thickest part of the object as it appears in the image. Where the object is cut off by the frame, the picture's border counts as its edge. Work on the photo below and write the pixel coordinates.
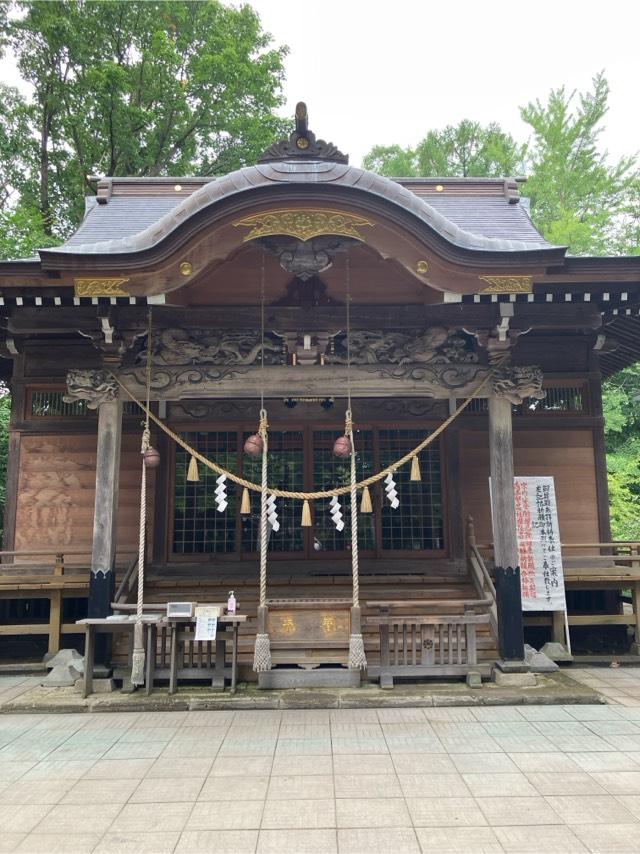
(93, 625)
(215, 669)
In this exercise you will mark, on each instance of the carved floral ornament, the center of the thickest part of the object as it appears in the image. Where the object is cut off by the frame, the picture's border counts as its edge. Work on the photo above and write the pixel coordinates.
(304, 224)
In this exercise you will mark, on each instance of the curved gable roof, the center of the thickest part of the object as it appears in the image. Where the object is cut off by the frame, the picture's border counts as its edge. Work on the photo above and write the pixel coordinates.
(135, 222)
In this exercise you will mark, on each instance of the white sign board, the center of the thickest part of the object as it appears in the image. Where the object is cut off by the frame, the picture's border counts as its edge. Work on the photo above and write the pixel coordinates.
(541, 574)
(206, 623)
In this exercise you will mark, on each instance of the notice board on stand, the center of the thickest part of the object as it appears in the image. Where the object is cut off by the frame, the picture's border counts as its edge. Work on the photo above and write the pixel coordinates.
(541, 573)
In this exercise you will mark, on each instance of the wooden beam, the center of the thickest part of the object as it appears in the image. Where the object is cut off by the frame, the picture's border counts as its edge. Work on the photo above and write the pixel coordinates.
(29, 320)
(103, 553)
(234, 381)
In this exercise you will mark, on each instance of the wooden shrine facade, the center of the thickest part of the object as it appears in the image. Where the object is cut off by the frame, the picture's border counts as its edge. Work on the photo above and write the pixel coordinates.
(248, 278)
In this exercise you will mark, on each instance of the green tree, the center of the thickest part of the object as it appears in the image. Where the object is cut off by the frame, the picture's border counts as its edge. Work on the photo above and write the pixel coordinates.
(141, 88)
(578, 199)
(621, 403)
(462, 150)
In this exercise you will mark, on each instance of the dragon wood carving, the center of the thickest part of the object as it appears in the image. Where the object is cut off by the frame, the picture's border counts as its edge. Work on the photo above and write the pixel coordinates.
(204, 346)
(518, 382)
(95, 387)
(436, 345)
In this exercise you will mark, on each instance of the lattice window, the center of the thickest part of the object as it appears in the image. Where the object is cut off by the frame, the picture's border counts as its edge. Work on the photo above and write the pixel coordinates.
(197, 526)
(558, 399)
(417, 524)
(48, 403)
(286, 471)
(329, 472)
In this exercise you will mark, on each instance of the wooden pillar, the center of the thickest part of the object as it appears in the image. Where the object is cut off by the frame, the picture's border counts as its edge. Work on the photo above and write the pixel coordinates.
(103, 553)
(505, 539)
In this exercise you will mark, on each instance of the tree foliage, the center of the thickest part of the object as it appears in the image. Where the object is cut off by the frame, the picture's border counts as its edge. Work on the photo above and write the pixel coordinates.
(135, 88)
(577, 197)
(580, 199)
(466, 149)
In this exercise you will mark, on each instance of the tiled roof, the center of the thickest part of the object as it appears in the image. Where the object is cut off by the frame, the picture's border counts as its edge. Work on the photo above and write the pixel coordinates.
(138, 214)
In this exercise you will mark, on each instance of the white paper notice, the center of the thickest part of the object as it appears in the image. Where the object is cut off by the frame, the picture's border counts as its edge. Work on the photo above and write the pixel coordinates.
(206, 624)
(541, 575)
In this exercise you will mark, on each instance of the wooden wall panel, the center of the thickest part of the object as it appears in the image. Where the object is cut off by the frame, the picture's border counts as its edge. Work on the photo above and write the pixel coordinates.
(568, 455)
(56, 491)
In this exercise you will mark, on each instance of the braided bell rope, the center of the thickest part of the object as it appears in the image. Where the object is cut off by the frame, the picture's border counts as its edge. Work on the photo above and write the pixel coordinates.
(311, 496)
(264, 534)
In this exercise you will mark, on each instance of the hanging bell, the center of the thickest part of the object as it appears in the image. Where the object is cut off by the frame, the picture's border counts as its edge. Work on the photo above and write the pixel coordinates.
(254, 445)
(151, 458)
(342, 447)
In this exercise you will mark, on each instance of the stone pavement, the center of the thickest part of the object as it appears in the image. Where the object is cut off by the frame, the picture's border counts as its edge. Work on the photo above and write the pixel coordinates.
(516, 779)
(621, 685)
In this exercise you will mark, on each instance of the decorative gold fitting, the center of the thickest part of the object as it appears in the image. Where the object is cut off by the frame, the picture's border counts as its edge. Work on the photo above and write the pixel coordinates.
(186, 268)
(439, 188)
(177, 188)
(303, 223)
(100, 287)
(422, 267)
(507, 284)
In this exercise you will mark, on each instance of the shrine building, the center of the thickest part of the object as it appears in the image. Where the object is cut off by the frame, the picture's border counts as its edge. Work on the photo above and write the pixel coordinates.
(303, 286)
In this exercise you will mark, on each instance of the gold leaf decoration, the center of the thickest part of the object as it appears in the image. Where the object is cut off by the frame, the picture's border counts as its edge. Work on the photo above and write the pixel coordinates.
(96, 287)
(304, 224)
(507, 284)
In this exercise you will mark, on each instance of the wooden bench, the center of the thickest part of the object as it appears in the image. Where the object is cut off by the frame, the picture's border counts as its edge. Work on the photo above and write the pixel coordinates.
(42, 579)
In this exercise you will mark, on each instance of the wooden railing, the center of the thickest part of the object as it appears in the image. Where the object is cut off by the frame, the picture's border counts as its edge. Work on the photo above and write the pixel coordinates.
(129, 580)
(481, 577)
(44, 574)
(587, 566)
(426, 646)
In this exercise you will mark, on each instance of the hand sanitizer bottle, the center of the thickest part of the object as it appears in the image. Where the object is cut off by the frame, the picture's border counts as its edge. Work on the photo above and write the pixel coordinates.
(231, 603)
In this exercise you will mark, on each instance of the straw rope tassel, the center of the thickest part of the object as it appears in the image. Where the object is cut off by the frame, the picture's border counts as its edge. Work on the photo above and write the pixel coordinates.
(415, 468)
(262, 650)
(193, 473)
(357, 655)
(138, 658)
(365, 504)
(306, 515)
(245, 507)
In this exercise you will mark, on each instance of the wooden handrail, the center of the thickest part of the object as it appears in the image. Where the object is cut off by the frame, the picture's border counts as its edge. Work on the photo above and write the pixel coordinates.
(615, 545)
(128, 579)
(483, 570)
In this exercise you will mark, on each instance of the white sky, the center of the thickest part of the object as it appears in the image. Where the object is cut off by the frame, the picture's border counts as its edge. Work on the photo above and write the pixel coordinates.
(375, 72)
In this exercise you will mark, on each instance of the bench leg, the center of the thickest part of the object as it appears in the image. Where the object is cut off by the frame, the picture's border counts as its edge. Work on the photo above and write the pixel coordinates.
(221, 651)
(150, 658)
(173, 665)
(234, 660)
(55, 620)
(89, 649)
(557, 632)
(635, 590)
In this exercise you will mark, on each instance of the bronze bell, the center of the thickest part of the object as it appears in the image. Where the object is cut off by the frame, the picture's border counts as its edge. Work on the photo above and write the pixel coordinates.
(254, 445)
(342, 447)
(151, 458)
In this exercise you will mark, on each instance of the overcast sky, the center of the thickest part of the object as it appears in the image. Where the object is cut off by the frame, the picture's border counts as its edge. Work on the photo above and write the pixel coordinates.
(375, 72)
(386, 72)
